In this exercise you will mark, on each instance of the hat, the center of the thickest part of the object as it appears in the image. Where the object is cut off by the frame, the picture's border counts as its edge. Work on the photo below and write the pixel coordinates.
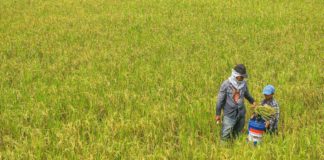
(269, 89)
(240, 68)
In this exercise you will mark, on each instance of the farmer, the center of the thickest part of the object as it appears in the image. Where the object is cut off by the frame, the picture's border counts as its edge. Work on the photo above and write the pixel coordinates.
(231, 99)
(272, 124)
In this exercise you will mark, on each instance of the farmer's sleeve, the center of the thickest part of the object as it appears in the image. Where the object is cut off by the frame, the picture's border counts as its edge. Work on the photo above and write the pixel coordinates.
(221, 98)
(248, 96)
(275, 119)
(276, 106)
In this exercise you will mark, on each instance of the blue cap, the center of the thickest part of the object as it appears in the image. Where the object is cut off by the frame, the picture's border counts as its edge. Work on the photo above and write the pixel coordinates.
(269, 89)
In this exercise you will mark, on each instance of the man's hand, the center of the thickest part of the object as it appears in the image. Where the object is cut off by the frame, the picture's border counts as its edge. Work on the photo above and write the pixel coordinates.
(254, 105)
(217, 118)
(253, 115)
(267, 124)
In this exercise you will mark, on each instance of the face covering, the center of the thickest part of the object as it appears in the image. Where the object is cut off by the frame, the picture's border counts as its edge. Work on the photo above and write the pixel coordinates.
(237, 84)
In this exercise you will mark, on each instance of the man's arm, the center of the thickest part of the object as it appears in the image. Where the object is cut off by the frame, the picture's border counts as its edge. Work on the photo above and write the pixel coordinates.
(248, 96)
(221, 98)
(276, 107)
(278, 111)
(274, 120)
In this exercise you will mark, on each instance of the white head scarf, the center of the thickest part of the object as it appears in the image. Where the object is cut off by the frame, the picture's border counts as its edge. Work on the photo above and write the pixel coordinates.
(237, 84)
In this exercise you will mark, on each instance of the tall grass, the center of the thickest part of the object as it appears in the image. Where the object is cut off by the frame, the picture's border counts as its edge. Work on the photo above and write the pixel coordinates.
(138, 79)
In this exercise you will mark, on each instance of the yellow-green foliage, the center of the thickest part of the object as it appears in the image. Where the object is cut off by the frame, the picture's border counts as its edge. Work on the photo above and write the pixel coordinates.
(266, 112)
(135, 79)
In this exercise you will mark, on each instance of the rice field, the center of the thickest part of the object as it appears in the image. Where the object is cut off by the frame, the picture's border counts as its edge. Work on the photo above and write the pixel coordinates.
(138, 79)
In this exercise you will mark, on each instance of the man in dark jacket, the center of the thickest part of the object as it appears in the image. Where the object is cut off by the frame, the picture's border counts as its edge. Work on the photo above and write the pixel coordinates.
(231, 99)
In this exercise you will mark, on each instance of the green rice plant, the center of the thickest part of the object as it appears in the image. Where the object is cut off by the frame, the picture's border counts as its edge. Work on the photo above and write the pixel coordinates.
(266, 112)
(107, 79)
